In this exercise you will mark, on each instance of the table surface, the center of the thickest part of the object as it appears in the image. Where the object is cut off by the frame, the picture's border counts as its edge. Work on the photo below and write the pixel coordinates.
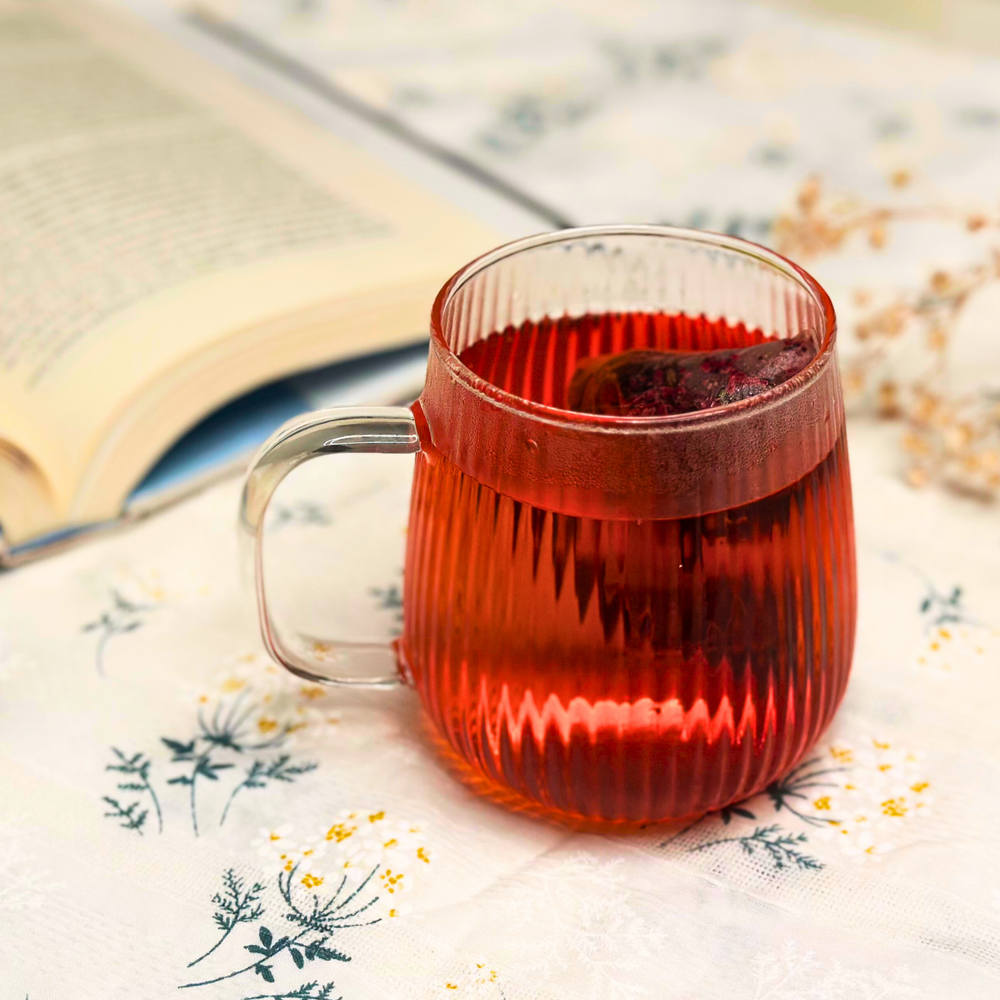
(176, 810)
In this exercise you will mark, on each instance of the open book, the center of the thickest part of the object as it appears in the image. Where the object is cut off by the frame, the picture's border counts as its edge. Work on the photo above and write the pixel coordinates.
(169, 240)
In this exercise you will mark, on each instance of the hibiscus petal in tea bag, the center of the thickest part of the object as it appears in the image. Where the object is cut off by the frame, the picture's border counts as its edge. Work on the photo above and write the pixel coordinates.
(645, 383)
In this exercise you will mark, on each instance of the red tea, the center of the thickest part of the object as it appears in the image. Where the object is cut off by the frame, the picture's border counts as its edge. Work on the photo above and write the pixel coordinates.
(626, 669)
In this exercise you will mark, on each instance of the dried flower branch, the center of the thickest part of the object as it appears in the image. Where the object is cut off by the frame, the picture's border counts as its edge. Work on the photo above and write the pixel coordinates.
(950, 436)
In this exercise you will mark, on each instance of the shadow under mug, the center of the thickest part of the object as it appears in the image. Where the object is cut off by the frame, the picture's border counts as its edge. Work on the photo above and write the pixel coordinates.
(618, 618)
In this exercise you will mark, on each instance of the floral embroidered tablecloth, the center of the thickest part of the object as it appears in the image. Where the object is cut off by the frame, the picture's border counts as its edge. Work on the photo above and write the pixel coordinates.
(179, 814)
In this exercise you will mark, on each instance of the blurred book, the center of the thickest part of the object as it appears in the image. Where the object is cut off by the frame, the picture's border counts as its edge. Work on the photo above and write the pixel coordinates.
(173, 239)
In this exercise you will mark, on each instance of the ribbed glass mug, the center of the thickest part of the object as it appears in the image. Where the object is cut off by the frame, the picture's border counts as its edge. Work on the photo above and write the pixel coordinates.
(619, 618)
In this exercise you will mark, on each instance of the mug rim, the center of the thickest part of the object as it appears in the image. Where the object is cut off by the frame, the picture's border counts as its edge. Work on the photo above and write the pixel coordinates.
(509, 400)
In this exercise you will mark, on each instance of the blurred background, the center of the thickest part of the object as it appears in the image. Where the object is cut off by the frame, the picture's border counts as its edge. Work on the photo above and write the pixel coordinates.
(860, 138)
(972, 23)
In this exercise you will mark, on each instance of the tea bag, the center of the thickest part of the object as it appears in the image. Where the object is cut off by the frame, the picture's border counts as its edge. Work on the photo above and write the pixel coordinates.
(647, 383)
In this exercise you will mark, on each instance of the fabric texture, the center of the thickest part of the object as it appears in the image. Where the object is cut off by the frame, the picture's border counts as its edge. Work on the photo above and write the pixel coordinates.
(178, 812)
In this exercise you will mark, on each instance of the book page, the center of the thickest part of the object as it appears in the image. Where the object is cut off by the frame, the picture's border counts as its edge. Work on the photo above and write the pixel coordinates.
(150, 206)
(115, 189)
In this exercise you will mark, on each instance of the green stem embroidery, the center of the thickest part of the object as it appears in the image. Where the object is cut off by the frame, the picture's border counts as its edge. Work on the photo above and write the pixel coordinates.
(304, 992)
(123, 617)
(321, 922)
(227, 733)
(261, 772)
(234, 906)
(202, 766)
(136, 767)
(277, 949)
(781, 848)
(793, 785)
(130, 819)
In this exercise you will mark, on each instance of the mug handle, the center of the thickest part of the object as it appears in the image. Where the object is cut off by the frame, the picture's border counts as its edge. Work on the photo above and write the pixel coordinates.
(341, 430)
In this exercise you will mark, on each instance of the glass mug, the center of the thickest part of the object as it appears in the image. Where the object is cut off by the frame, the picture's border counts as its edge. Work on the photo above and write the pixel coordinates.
(619, 618)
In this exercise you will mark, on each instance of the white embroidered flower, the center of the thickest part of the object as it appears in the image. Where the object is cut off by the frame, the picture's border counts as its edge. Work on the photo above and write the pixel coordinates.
(312, 878)
(792, 973)
(393, 882)
(862, 846)
(476, 980)
(359, 854)
(257, 705)
(880, 791)
(596, 934)
(957, 648)
(367, 846)
(304, 857)
(271, 843)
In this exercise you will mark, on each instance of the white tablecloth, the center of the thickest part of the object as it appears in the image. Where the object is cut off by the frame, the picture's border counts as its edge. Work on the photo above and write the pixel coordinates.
(156, 768)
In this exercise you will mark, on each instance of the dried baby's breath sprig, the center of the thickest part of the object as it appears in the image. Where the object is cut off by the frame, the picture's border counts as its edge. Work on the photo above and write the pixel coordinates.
(822, 222)
(950, 437)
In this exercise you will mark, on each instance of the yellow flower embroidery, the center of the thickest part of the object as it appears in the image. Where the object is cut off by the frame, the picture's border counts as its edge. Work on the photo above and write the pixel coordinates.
(492, 976)
(823, 802)
(391, 843)
(422, 854)
(312, 881)
(390, 880)
(842, 756)
(375, 817)
(880, 746)
(340, 832)
(894, 807)
(311, 691)
(920, 786)
(266, 725)
(232, 684)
